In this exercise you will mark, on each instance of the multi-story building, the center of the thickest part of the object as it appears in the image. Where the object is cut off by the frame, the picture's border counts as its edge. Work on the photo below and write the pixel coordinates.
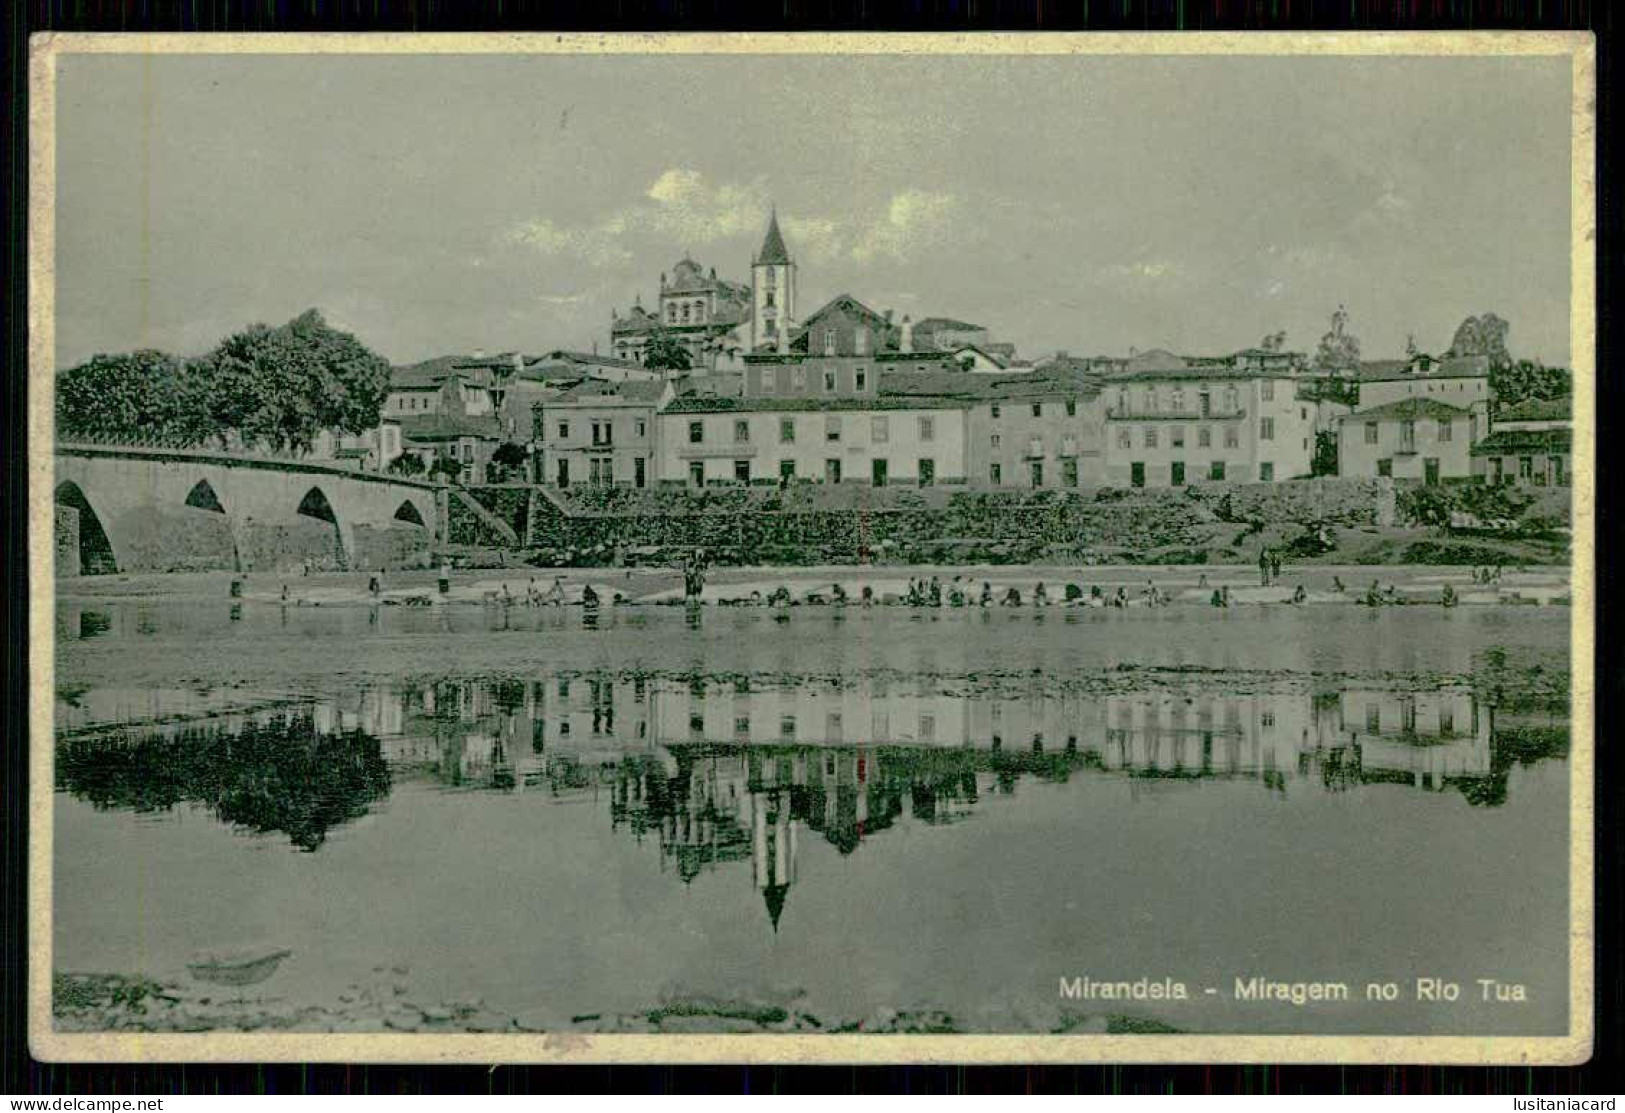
(702, 440)
(707, 315)
(1411, 438)
(1173, 421)
(1531, 442)
(600, 433)
(1461, 381)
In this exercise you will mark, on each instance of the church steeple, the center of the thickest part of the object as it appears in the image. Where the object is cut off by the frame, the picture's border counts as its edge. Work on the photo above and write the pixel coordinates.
(773, 250)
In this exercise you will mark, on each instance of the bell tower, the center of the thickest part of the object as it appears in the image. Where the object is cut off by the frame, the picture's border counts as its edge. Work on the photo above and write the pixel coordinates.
(773, 291)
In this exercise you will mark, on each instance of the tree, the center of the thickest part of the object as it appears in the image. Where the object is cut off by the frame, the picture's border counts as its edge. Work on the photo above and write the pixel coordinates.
(666, 353)
(446, 466)
(139, 394)
(1339, 350)
(1274, 342)
(509, 458)
(1324, 461)
(406, 464)
(282, 386)
(1483, 336)
(1525, 379)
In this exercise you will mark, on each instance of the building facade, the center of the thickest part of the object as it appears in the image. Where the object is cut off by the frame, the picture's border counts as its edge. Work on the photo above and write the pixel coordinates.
(1412, 438)
(600, 434)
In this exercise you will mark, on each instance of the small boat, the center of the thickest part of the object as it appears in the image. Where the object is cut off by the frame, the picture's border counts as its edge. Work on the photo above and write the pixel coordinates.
(241, 967)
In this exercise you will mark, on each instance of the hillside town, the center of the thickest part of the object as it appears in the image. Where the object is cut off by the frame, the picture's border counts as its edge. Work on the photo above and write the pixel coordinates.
(723, 383)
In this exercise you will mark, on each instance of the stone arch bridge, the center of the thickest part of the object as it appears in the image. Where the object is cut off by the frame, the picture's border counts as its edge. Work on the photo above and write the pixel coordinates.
(144, 509)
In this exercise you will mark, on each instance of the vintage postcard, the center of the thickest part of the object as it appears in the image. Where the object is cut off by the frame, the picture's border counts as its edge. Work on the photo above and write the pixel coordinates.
(812, 548)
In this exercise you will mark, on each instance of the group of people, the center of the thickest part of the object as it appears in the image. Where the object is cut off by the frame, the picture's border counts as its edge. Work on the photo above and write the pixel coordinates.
(1269, 565)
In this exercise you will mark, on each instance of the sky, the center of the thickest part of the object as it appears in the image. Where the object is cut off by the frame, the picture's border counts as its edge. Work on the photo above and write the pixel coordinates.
(438, 205)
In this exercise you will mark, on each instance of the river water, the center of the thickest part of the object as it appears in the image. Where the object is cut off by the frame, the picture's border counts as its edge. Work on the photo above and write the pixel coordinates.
(884, 809)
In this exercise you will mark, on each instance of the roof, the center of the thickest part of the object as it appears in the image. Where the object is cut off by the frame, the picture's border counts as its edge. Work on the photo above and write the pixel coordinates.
(591, 358)
(427, 375)
(773, 250)
(1044, 383)
(712, 403)
(1537, 409)
(1194, 372)
(1514, 442)
(1409, 409)
(448, 427)
(1451, 367)
(945, 324)
(646, 391)
(993, 358)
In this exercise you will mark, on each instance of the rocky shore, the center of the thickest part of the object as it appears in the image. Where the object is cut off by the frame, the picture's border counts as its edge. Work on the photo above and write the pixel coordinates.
(84, 1002)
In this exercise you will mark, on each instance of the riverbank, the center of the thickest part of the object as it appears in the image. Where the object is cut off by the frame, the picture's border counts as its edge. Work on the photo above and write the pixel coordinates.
(118, 1003)
(1091, 585)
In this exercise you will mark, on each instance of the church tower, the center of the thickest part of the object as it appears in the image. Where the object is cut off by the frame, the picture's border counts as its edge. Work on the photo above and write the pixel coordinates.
(773, 292)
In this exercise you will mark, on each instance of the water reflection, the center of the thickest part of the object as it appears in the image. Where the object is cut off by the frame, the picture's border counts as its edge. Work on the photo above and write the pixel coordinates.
(730, 770)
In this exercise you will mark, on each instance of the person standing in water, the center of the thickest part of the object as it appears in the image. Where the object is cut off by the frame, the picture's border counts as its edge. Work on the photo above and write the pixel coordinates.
(445, 577)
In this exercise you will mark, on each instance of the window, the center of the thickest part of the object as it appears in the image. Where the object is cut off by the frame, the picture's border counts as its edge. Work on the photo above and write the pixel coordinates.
(602, 433)
(1176, 473)
(742, 724)
(829, 342)
(1122, 400)
(1266, 428)
(767, 380)
(1230, 402)
(1176, 436)
(1232, 436)
(1215, 471)
(1037, 467)
(928, 472)
(1179, 400)
(742, 470)
(1038, 409)
(832, 428)
(696, 432)
(878, 471)
(1071, 407)
(741, 432)
(787, 430)
(1526, 467)
(860, 342)
(564, 472)
(1204, 436)
(1151, 436)
(879, 430)
(564, 430)
(1385, 467)
(928, 428)
(860, 379)
(1445, 430)
(928, 728)
(995, 474)
(787, 726)
(1266, 390)
(643, 428)
(995, 410)
(798, 379)
(1125, 437)
(1266, 472)
(602, 471)
(829, 382)
(1371, 432)
(1136, 474)
(995, 440)
(1069, 473)
(832, 471)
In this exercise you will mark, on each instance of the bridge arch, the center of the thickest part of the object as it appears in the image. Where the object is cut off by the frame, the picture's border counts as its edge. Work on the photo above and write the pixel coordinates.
(408, 512)
(202, 497)
(91, 550)
(315, 504)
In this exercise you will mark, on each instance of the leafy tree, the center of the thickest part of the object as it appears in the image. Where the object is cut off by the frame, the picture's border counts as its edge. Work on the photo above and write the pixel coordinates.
(1324, 461)
(1483, 336)
(406, 463)
(1526, 379)
(509, 458)
(282, 386)
(145, 393)
(666, 353)
(446, 466)
(1339, 350)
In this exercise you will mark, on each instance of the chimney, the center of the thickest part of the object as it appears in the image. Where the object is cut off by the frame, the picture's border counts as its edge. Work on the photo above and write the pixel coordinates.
(1061, 353)
(906, 342)
(479, 353)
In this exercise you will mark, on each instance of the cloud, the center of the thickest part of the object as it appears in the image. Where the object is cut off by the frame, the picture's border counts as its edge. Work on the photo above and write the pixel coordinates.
(688, 208)
(814, 238)
(1146, 271)
(599, 244)
(914, 218)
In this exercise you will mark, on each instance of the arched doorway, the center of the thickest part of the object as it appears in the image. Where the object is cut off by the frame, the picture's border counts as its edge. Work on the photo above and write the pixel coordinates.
(315, 505)
(82, 543)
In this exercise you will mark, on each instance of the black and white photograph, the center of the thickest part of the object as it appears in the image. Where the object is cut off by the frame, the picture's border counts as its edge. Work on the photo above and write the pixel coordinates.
(812, 548)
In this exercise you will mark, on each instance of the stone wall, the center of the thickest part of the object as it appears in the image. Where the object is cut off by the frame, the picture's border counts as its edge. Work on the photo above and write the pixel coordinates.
(66, 541)
(823, 523)
(174, 539)
(285, 546)
(401, 545)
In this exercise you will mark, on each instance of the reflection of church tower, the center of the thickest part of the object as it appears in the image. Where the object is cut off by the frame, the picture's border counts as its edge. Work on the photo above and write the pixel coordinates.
(773, 848)
(773, 291)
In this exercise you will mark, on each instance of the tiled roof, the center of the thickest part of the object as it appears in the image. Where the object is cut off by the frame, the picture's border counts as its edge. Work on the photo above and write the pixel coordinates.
(632, 390)
(1537, 409)
(427, 375)
(1045, 383)
(577, 358)
(448, 427)
(941, 324)
(773, 250)
(1409, 409)
(1451, 367)
(1513, 442)
(712, 403)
